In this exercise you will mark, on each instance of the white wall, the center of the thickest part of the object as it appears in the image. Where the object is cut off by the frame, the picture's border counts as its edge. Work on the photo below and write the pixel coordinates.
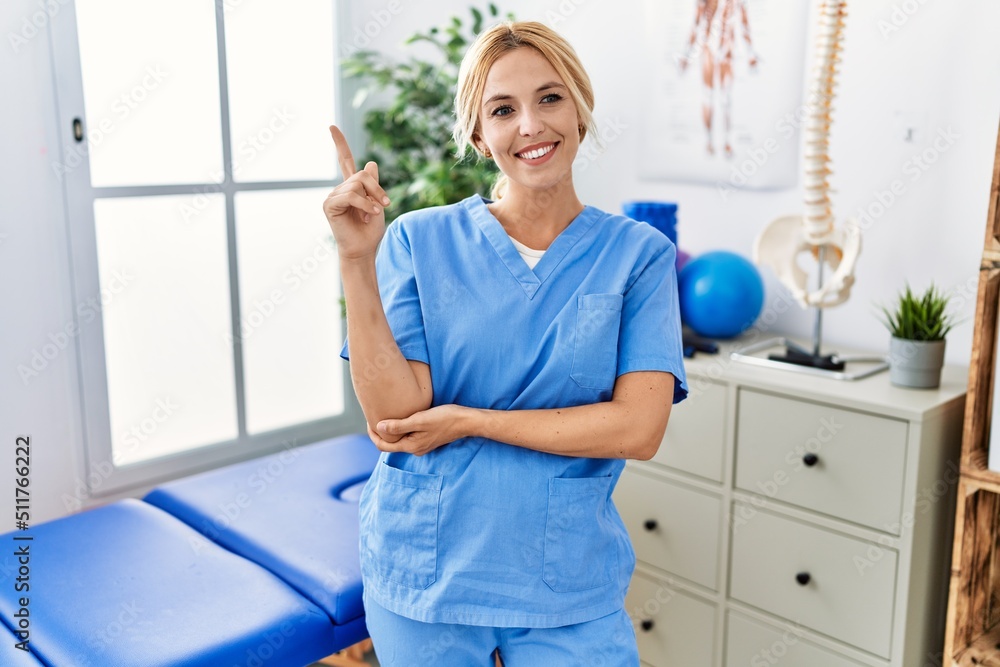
(941, 67)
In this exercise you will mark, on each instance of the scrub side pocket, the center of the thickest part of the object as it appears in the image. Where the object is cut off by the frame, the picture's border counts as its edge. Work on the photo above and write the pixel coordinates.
(595, 351)
(404, 542)
(581, 549)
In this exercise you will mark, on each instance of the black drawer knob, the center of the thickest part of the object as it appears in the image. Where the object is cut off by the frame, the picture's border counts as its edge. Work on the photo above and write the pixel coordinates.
(650, 525)
(803, 578)
(646, 625)
(810, 459)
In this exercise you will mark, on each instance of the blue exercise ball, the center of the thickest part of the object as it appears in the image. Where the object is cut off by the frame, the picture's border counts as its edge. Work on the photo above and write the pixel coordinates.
(721, 294)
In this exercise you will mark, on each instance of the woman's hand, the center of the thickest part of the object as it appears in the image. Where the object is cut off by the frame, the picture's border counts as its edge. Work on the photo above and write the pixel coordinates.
(355, 208)
(423, 431)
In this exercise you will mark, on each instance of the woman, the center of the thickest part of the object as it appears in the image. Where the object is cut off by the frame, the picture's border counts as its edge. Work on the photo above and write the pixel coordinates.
(508, 355)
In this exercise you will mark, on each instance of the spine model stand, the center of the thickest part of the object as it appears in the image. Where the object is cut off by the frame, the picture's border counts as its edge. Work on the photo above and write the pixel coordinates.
(781, 243)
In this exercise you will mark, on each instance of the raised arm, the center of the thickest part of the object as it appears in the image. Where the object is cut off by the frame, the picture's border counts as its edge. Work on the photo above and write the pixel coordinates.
(387, 384)
(629, 426)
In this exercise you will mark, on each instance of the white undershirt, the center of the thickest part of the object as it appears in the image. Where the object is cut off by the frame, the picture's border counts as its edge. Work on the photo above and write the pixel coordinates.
(529, 255)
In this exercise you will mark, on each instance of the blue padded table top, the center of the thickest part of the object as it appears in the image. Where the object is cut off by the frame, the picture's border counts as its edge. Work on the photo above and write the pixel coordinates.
(11, 656)
(294, 513)
(128, 585)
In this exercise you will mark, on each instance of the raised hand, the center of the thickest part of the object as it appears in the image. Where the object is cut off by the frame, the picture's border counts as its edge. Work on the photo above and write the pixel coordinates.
(355, 209)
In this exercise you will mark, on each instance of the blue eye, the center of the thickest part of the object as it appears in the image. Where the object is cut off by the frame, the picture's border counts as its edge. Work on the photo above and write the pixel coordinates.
(502, 111)
(552, 97)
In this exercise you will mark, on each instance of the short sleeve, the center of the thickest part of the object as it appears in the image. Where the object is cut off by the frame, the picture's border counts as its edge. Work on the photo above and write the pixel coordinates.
(650, 334)
(397, 285)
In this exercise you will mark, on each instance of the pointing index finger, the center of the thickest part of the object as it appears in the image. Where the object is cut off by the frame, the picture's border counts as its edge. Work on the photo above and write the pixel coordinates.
(344, 155)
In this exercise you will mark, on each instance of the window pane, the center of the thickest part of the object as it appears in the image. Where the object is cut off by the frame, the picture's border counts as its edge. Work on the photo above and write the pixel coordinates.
(280, 59)
(289, 309)
(167, 325)
(151, 91)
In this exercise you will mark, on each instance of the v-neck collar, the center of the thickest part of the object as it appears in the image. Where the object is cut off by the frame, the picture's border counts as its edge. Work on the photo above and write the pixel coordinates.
(530, 280)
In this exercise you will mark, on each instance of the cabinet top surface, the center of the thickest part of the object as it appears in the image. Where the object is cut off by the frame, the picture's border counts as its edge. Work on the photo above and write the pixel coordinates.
(873, 394)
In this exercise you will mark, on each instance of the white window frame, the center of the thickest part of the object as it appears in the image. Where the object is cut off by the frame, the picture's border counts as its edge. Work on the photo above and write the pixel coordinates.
(79, 197)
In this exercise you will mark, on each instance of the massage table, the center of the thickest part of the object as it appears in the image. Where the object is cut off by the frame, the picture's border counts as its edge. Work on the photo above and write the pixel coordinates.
(252, 564)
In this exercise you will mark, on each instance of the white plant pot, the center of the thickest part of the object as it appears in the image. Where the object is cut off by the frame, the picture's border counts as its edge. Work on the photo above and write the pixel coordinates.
(915, 363)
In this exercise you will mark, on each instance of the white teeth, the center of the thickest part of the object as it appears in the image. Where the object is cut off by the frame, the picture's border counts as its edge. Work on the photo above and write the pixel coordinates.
(531, 155)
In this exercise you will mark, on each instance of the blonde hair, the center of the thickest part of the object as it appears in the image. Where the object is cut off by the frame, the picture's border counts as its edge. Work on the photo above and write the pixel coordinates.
(489, 47)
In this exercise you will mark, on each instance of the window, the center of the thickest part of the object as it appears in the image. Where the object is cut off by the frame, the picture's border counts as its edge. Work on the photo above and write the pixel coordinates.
(196, 166)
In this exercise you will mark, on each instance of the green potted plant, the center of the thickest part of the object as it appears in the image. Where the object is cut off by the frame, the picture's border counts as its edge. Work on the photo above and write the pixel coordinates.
(919, 324)
(411, 137)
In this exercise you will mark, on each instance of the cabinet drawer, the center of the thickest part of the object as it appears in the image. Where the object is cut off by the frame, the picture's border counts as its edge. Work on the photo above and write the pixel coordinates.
(857, 473)
(671, 526)
(671, 628)
(696, 432)
(750, 643)
(851, 586)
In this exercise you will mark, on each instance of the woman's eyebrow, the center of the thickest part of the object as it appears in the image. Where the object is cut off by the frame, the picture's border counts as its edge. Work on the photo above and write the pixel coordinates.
(505, 96)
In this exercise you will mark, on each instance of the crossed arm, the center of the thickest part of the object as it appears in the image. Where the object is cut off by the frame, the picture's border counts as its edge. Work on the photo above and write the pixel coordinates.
(629, 426)
(396, 394)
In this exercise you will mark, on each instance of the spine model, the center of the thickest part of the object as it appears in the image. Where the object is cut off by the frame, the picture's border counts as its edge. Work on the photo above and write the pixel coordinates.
(783, 240)
(816, 159)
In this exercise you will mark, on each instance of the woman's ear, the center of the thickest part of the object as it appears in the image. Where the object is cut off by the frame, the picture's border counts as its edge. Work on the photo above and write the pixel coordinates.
(481, 146)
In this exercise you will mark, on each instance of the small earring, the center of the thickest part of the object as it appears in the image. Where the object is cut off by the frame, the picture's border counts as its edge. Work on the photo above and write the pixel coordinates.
(487, 154)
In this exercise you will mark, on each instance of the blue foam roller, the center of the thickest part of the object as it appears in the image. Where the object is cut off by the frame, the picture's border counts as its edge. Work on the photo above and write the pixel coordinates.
(661, 215)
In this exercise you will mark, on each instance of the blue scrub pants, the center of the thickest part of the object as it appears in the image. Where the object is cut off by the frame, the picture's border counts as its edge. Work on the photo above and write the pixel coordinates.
(403, 642)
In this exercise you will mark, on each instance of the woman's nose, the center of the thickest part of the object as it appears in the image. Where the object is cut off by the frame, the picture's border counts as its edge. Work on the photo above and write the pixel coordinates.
(531, 124)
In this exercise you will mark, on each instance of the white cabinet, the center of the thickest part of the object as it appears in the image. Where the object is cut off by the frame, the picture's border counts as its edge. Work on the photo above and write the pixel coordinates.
(800, 572)
(696, 439)
(679, 532)
(844, 463)
(794, 521)
(755, 644)
(674, 628)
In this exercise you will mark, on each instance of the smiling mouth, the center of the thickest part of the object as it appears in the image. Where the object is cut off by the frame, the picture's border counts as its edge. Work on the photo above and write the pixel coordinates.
(537, 153)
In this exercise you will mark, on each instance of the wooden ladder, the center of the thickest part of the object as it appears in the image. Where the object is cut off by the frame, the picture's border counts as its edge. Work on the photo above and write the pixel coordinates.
(972, 633)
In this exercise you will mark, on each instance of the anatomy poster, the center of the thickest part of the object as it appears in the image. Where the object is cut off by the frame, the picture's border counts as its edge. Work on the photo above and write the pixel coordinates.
(726, 91)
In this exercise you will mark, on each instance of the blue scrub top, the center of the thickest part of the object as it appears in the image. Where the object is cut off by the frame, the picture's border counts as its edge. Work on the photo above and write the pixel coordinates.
(481, 532)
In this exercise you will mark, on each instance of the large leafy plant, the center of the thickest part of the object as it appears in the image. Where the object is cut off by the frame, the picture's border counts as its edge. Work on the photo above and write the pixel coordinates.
(411, 138)
(919, 316)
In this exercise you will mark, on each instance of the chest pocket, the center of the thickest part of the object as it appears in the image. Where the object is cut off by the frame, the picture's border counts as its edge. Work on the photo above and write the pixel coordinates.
(595, 351)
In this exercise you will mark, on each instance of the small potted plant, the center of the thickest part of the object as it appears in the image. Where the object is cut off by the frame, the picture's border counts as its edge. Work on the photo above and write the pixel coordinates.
(919, 325)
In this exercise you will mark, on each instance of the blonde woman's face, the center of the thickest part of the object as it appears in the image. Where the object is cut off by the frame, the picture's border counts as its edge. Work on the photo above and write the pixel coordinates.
(528, 120)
